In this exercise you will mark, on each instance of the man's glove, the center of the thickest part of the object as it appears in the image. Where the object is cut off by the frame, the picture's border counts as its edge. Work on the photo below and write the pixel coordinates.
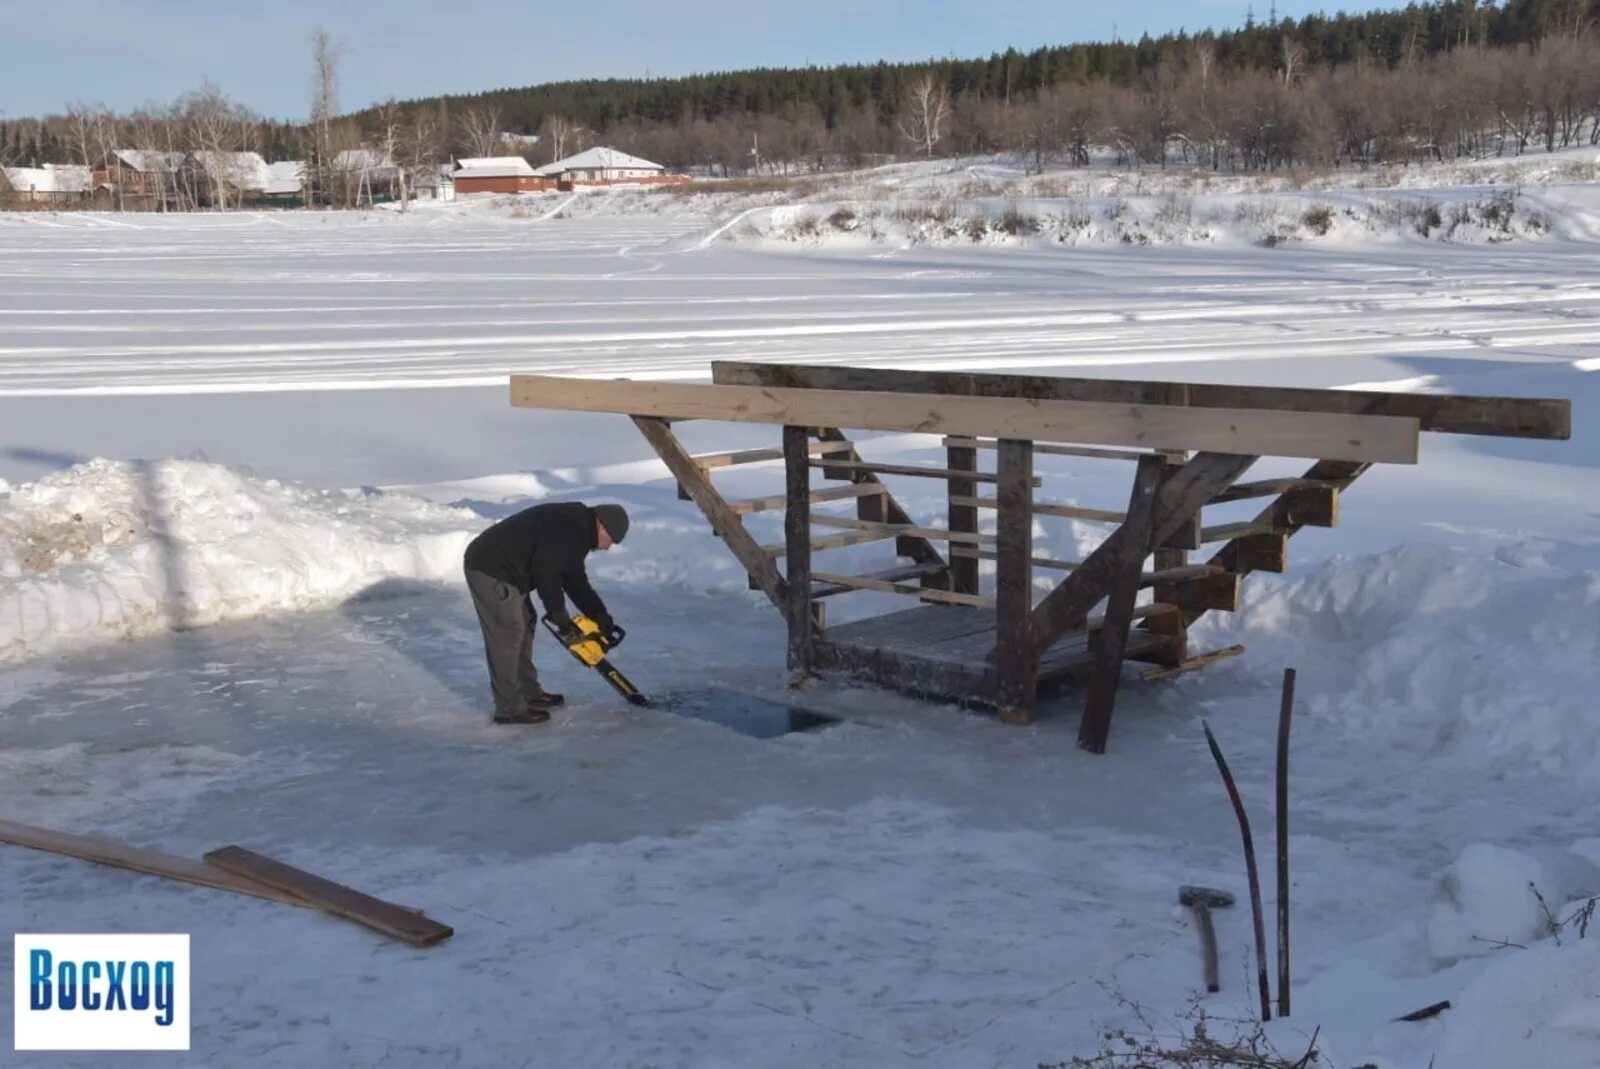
(566, 630)
(614, 635)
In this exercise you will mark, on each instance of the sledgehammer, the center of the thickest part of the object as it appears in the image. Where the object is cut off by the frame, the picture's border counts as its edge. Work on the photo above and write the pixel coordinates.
(1203, 900)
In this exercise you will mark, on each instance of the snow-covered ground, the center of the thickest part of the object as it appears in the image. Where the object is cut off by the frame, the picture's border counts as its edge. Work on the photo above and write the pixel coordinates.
(275, 432)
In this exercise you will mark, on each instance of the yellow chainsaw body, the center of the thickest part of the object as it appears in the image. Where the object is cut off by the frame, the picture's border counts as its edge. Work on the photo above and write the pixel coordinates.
(591, 648)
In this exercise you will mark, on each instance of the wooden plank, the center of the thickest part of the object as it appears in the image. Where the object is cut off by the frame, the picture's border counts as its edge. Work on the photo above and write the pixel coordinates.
(1181, 496)
(861, 582)
(907, 628)
(819, 494)
(1182, 574)
(1311, 506)
(838, 541)
(725, 523)
(1056, 449)
(1015, 657)
(374, 913)
(1112, 638)
(960, 514)
(1076, 659)
(1047, 508)
(1231, 430)
(138, 859)
(1192, 663)
(893, 575)
(914, 470)
(797, 556)
(975, 553)
(1266, 488)
(758, 456)
(898, 529)
(1507, 417)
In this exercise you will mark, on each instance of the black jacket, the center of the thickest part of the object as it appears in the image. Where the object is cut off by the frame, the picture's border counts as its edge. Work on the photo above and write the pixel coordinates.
(542, 549)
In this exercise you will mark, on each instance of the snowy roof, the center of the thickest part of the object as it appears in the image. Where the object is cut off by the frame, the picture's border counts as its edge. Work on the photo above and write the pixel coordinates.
(51, 178)
(145, 162)
(245, 170)
(287, 177)
(361, 159)
(600, 159)
(494, 167)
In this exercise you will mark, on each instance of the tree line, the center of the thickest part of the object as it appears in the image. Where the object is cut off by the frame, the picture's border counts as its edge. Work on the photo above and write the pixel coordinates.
(1434, 80)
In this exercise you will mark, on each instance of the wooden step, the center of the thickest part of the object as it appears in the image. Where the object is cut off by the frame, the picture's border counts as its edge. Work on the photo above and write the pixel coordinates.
(1269, 488)
(829, 493)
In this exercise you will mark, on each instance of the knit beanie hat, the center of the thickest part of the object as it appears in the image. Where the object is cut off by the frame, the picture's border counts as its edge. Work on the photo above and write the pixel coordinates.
(614, 518)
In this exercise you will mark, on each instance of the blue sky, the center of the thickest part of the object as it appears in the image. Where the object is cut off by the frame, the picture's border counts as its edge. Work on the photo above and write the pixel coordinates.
(124, 53)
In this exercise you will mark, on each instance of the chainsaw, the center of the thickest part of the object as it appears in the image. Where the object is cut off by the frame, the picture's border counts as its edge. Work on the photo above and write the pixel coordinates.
(589, 644)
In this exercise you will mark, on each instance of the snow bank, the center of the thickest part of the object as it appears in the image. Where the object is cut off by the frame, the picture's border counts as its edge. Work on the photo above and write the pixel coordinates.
(108, 549)
(1489, 658)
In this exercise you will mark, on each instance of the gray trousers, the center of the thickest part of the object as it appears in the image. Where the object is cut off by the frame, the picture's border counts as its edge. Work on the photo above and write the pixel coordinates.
(508, 626)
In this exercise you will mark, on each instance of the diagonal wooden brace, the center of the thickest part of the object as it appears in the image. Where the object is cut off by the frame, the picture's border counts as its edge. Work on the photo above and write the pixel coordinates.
(1182, 495)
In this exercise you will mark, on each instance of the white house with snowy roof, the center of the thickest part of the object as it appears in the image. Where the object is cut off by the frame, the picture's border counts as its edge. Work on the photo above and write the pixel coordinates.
(605, 166)
(53, 183)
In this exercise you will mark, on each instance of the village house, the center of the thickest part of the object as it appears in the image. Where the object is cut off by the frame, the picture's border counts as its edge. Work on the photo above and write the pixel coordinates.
(135, 174)
(498, 174)
(53, 183)
(603, 166)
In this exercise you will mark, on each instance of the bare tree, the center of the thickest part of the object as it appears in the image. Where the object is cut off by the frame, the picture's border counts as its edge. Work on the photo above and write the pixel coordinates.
(325, 56)
(418, 149)
(480, 131)
(558, 132)
(925, 113)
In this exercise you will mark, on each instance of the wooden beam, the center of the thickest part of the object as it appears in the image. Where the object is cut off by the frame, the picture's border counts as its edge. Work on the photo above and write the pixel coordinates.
(760, 456)
(827, 493)
(961, 515)
(933, 534)
(976, 553)
(1055, 449)
(1046, 508)
(725, 523)
(1506, 417)
(892, 575)
(913, 470)
(838, 541)
(1231, 430)
(1219, 591)
(1109, 642)
(1016, 658)
(862, 582)
(885, 507)
(1180, 497)
(1266, 488)
(1187, 573)
(797, 557)
(1172, 556)
(1227, 532)
(138, 859)
(374, 913)
(1192, 663)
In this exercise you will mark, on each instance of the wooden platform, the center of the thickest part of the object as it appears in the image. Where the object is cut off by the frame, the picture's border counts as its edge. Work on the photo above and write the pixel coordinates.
(941, 651)
(975, 640)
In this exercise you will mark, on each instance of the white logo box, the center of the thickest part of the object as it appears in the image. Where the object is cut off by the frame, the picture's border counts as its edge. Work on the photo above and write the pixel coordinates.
(103, 978)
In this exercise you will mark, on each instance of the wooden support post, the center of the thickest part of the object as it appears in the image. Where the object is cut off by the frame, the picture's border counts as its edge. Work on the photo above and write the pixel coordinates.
(963, 518)
(725, 523)
(1112, 638)
(1016, 659)
(797, 540)
(1169, 557)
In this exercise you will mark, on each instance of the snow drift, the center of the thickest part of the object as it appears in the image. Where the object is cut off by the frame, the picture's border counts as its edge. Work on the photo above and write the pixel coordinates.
(112, 549)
